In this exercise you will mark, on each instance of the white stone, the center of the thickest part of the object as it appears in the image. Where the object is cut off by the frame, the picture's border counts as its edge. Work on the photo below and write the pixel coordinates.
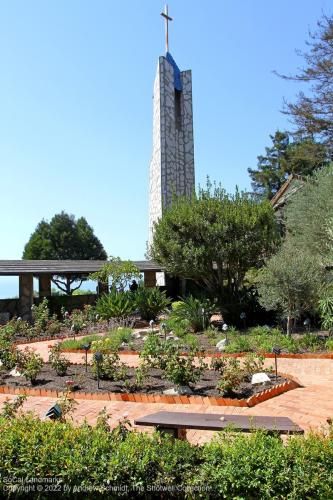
(178, 391)
(15, 373)
(260, 378)
(221, 345)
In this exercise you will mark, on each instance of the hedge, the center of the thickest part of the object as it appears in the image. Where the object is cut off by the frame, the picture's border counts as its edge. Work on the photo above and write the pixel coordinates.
(94, 462)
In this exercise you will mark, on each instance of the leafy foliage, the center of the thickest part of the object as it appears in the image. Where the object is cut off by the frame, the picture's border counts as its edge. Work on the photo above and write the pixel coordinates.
(113, 340)
(116, 305)
(214, 238)
(64, 238)
(118, 272)
(312, 113)
(151, 302)
(234, 465)
(58, 361)
(29, 363)
(110, 368)
(194, 311)
(41, 314)
(326, 312)
(291, 282)
(309, 217)
(301, 157)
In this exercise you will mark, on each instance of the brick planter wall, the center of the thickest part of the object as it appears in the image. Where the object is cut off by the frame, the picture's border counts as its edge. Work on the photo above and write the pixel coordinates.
(159, 398)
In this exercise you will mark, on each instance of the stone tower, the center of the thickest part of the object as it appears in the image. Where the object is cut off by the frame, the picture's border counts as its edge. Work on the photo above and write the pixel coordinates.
(172, 162)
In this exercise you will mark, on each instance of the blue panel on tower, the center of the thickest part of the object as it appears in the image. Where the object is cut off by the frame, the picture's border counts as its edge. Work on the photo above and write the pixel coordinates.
(176, 72)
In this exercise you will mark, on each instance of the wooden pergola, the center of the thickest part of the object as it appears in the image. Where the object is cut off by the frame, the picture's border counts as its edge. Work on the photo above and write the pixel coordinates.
(44, 270)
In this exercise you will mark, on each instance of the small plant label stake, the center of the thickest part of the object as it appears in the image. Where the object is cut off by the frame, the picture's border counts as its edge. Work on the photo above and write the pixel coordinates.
(98, 357)
(164, 329)
(225, 329)
(276, 351)
(86, 348)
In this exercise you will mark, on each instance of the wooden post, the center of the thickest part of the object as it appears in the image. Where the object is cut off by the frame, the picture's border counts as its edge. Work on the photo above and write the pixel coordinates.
(26, 296)
(44, 285)
(150, 279)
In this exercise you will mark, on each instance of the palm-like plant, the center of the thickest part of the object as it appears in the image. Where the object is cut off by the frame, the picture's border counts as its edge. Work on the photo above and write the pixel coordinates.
(116, 305)
(326, 312)
(151, 302)
(196, 312)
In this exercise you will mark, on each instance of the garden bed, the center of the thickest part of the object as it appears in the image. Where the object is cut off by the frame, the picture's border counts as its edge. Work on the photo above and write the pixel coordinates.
(154, 383)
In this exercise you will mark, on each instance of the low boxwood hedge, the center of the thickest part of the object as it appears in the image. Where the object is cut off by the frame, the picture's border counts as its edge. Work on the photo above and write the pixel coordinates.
(83, 461)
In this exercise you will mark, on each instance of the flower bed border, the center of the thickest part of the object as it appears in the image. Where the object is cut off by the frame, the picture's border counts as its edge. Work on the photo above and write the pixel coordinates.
(276, 390)
(203, 354)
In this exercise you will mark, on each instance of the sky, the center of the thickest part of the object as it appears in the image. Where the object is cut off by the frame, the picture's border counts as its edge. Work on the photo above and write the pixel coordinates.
(76, 104)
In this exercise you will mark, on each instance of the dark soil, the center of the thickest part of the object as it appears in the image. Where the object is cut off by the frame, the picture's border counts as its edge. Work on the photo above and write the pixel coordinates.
(86, 382)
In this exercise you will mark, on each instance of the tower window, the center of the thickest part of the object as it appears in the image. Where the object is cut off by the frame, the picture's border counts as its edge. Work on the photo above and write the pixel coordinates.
(178, 109)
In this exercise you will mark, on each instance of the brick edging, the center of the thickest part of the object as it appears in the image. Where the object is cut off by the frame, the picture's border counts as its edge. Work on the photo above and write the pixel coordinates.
(159, 398)
(267, 355)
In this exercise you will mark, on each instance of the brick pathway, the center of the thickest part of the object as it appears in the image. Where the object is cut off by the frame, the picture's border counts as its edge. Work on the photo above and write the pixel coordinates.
(308, 406)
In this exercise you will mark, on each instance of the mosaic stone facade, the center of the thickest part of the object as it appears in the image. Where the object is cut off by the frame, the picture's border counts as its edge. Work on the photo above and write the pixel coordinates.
(172, 163)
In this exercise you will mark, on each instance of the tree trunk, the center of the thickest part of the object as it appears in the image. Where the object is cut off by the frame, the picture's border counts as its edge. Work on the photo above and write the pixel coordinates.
(68, 286)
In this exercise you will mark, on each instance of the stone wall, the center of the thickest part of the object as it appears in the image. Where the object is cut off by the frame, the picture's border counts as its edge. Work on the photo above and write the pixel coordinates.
(172, 163)
(12, 306)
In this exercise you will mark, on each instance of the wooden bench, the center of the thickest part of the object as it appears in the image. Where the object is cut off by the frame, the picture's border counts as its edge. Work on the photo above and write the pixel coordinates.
(176, 423)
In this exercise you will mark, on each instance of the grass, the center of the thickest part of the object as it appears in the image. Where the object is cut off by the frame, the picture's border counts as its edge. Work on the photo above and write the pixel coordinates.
(79, 343)
(110, 341)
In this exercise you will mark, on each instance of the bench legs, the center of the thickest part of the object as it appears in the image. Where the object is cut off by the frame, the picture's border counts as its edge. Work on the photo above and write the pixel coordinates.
(174, 433)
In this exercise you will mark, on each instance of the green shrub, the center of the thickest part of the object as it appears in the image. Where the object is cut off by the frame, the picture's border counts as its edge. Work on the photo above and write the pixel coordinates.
(329, 344)
(178, 327)
(58, 362)
(191, 341)
(113, 340)
(233, 465)
(29, 363)
(7, 332)
(8, 353)
(311, 342)
(110, 368)
(183, 370)
(195, 311)
(326, 312)
(151, 302)
(233, 372)
(41, 314)
(241, 343)
(116, 305)
(53, 327)
(78, 343)
(21, 327)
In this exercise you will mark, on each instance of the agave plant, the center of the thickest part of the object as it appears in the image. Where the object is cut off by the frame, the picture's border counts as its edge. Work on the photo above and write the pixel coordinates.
(151, 302)
(196, 312)
(116, 305)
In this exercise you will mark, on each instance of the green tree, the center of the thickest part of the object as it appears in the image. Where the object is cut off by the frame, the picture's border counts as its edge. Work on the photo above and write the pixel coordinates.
(64, 238)
(301, 156)
(312, 113)
(118, 272)
(291, 283)
(214, 238)
(309, 217)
